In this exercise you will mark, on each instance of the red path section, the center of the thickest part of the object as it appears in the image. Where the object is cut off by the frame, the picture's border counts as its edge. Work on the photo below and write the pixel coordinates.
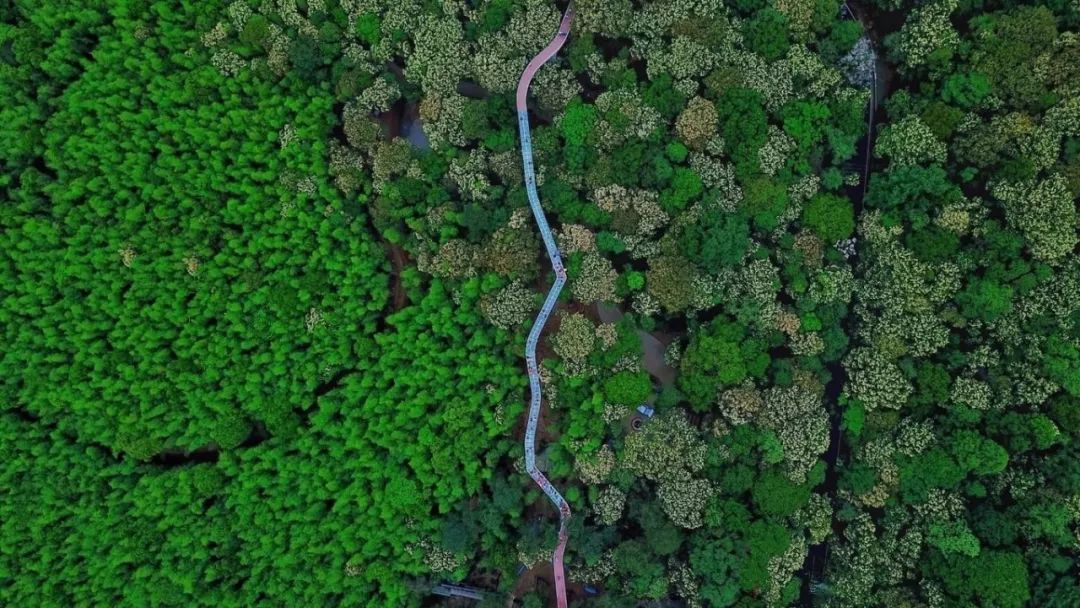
(542, 57)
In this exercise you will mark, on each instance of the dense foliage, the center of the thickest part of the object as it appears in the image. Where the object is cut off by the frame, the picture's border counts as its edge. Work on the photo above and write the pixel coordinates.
(184, 284)
(268, 266)
(960, 484)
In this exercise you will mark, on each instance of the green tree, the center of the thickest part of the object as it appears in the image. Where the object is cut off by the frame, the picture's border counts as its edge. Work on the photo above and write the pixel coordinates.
(716, 561)
(744, 126)
(767, 34)
(1063, 363)
(911, 193)
(628, 388)
(685, 187)
(965, 90)
(985, 299)
(577, 122)
(720, 354)
(717, 240)
(831, 217)
(643, 572)
(764, 201)
(953, 537)
(995, 578)
(806, 122)
(660, 534)
(775, 494)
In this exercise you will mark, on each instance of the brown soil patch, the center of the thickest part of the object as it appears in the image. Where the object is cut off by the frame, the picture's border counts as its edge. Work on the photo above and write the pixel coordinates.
(399, 259)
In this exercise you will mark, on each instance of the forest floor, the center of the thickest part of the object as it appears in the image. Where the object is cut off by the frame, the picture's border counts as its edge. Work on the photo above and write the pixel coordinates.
(398, 260)
(653, 345)
(816, 563)
(538, 579)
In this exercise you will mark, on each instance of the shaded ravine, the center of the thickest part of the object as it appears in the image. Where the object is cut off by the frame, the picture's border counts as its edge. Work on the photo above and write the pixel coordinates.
(549, 303)
(813, 572)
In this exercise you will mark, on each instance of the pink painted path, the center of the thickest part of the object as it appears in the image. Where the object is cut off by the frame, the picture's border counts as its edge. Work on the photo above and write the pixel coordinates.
(542, 57)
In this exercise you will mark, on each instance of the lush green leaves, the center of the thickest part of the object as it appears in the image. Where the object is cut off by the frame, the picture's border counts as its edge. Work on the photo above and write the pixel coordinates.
(720, 354)
(831, 217)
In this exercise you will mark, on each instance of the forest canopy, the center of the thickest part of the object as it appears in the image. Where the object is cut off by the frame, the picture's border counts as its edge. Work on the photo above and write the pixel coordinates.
(269, 266)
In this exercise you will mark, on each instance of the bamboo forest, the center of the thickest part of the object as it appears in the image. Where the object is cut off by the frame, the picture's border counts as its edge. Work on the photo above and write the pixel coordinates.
(528, 303)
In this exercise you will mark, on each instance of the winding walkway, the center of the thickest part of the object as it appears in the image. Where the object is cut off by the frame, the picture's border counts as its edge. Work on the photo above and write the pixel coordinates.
(553, 295)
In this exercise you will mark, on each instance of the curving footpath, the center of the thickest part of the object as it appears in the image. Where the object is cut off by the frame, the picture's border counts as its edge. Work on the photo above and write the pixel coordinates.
(560, 279)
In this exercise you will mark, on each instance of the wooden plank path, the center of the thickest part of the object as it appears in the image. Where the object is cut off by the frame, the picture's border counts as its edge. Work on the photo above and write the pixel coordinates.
(549, 303)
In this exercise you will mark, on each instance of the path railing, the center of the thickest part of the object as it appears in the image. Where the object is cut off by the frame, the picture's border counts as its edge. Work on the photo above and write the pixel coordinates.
(549, 303)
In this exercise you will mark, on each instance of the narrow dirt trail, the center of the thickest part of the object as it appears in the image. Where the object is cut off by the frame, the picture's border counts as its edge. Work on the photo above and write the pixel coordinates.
(549, 303)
